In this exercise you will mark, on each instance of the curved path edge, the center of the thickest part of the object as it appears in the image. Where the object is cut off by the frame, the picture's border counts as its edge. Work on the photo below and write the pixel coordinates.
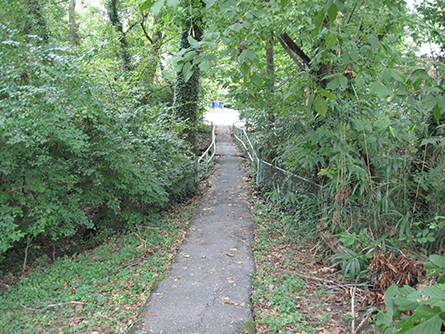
(209, 287)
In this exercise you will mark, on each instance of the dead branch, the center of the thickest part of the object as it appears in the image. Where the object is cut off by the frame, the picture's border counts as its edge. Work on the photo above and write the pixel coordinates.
(28, 308)
(362, 323)
(290, 53)
(150, 227)
(317, 279)
(330, 241)
(348, 285)
(145, 32)
(142, 240)
(62, 304)
(353, 304)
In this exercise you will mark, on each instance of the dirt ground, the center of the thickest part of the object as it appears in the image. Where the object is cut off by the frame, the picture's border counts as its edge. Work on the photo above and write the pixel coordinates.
(329, 304)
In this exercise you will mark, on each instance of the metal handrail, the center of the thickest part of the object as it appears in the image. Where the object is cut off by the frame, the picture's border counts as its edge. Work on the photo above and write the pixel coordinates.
(239, 134)
(206, 158)
(290, 173)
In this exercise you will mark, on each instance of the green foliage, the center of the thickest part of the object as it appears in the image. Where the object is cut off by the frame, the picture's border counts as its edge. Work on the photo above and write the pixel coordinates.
(68, 158)
(427, 304)
(100, 290)
(357, 251)
(280, 291)
(433, 13)
(362, 118)
(186, 98)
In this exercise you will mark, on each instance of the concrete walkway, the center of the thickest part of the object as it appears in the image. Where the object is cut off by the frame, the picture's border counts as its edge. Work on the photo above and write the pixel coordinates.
(209, 287)
(222, 116)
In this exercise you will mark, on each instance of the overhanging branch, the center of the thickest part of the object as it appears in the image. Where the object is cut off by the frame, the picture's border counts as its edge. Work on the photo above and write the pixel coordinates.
(285, 39)
(289, 51)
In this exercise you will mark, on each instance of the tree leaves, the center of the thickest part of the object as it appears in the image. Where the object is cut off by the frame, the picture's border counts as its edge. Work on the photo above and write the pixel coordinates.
(173, 3)
(380, 90)
(247, 55)
(332, 12)
(428, 304)
(227, 5)
(256, 80)
(338, 81)
(187, 71)
(156, 8)
(245, 69)
(373, 41)
(210, 3)
(147, 4)
(283, 3)
(437, 112)
(320, 105)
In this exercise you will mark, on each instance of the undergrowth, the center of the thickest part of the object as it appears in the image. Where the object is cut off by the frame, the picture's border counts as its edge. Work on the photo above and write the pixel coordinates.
(275, 293)
(100, 290)
(294, 290)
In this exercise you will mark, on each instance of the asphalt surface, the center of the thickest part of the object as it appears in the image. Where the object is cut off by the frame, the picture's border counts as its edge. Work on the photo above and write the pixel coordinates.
(209, 287)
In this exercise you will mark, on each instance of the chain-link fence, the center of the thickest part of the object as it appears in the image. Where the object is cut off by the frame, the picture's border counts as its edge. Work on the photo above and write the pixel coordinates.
(290, 189)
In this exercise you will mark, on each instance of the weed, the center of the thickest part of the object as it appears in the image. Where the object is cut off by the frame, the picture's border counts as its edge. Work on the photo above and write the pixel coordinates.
(247, 328)
(100, 290)
(276, 290)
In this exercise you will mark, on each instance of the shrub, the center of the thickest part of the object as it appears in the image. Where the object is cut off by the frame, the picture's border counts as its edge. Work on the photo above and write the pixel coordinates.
(67, 158)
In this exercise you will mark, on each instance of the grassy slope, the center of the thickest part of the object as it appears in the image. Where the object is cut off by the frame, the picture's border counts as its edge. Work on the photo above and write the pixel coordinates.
(100, 290)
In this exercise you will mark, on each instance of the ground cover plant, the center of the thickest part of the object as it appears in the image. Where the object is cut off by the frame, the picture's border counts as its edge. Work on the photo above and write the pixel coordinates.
(103, 289)
(294, 289)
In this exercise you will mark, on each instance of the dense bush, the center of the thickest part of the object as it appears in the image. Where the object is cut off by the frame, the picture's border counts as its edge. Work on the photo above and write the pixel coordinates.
(68, 159)
(370, 129)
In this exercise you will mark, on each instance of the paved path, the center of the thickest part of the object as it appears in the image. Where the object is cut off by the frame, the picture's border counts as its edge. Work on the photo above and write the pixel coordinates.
(209, 287)
(222, 116)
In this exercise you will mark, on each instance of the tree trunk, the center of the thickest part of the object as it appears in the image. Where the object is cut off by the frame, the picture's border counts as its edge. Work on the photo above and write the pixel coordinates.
(186, 98)
(113, 15)
(74, 26)
(153, 59)
(270, 67)
(36, 23)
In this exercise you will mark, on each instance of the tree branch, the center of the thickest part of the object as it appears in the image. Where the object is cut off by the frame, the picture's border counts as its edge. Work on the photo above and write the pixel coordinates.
(131, 27)
(295, 48)
(289, 51)
(145, 33)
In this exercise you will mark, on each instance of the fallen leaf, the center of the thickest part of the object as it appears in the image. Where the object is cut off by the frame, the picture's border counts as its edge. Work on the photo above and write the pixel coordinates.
(230, 302)
(322, 331)
(326, 270)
